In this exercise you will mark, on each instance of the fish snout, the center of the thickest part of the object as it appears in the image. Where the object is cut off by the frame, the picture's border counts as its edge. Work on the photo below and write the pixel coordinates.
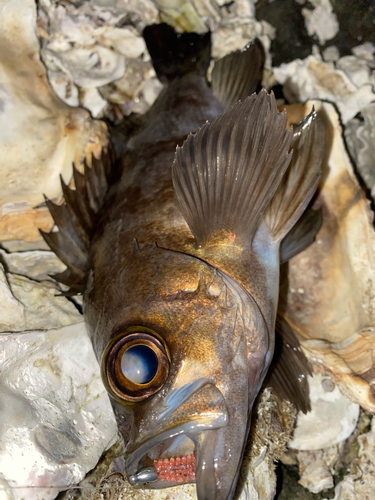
(183, 415)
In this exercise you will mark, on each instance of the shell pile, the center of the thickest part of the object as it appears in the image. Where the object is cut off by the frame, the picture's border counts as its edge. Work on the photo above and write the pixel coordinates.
(65, 63)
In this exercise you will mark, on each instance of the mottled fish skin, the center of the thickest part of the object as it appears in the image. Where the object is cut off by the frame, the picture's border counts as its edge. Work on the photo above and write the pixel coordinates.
(185, 253)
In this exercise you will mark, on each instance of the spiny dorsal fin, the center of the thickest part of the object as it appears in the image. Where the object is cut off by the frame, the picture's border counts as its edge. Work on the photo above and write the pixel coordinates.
(76, 217)
(238, 74)
(289, 368)
(225, 175)
(301, 178)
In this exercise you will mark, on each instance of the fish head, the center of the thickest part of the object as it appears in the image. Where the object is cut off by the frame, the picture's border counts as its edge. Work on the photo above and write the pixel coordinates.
(183, 350)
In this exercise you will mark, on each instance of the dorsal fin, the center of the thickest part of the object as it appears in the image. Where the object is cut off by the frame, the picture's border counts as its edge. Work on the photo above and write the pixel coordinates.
(76, 217)
(225, 175)
(238, 74)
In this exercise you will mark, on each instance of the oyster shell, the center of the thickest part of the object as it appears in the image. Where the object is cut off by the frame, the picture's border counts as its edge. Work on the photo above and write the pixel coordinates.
(360, 137)
(313, 78)
(40, 135)
(360, 482)
(321, 21)
(329, 295)
(332, 418)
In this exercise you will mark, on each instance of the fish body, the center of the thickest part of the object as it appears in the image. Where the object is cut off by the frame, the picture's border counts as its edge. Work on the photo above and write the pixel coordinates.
(180, 280)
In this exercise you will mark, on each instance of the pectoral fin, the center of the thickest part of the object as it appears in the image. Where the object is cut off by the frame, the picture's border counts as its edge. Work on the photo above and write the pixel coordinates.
(288, 372)
(301, 235)
(301, 178)
(225, 175)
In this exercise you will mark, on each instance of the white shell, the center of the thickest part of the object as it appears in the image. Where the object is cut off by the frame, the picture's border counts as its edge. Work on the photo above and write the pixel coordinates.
(40, 136)
(312, 78)
(332, 418)
(321, 21)
(360, 483)
(330, 301)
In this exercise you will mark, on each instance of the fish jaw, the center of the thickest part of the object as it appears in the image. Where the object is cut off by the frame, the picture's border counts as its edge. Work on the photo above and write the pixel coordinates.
(215, 426)
(173, 432)
(215, 433)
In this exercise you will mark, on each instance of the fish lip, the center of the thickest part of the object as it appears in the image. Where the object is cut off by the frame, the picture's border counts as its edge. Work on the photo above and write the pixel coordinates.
(190, 429)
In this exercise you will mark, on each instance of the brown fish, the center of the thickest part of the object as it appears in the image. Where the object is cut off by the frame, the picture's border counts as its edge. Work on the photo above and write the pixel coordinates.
(177, 255)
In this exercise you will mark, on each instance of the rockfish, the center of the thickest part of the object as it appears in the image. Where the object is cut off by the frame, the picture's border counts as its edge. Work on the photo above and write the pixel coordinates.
(177, 255)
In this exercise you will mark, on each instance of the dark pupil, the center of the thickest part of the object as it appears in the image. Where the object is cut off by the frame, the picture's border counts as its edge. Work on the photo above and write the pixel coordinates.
(139, 364)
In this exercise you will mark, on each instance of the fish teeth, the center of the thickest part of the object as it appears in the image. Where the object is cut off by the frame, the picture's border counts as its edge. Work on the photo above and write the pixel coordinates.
(176, 470)
(136, 248)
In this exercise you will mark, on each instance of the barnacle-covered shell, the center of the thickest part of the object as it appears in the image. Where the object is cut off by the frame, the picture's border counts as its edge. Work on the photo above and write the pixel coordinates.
(329, 295)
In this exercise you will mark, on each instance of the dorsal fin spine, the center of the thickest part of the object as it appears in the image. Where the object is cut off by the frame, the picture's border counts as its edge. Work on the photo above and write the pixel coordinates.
(136, 249)
(92, 192)
(73, 209)
(75, 219)
(82, 201)
(68, 230)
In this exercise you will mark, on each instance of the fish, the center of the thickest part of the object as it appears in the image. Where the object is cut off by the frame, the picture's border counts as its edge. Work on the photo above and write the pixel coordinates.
(174, 237)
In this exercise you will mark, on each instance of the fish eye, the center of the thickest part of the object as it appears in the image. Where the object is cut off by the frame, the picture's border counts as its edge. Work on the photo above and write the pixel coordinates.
(135, 365)
(139, 364)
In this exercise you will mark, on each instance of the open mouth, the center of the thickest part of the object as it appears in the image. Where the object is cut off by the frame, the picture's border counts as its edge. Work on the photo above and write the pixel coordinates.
(172, 461)
(184, 452)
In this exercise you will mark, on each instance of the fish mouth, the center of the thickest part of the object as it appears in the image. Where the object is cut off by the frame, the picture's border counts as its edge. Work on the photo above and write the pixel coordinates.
(178, 453)
(166, 460)
(171, 457)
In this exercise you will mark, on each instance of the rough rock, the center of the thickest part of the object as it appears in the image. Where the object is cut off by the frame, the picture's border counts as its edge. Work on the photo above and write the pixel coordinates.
(40, 135)
(34, 264)
(56, 419)
(29, 305)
